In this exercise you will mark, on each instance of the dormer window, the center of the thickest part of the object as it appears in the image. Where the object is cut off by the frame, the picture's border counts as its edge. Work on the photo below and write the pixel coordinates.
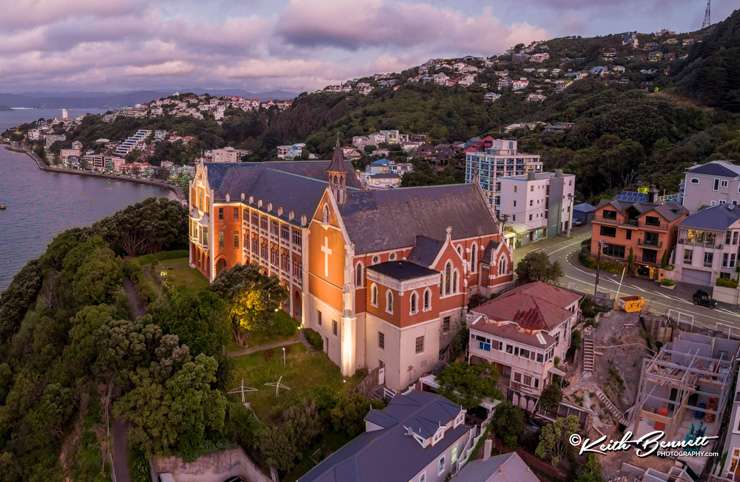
(438, 436)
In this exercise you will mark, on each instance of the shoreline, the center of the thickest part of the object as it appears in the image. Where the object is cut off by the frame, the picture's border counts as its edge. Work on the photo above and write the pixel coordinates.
(61, 170)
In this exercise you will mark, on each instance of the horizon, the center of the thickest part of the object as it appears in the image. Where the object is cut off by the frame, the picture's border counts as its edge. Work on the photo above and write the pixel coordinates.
(123, 46)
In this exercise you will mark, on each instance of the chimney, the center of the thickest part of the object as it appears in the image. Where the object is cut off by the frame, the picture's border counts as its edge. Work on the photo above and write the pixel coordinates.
(487, 449)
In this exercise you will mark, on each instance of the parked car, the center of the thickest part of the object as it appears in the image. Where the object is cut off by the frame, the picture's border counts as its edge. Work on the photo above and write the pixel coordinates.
(702, 298)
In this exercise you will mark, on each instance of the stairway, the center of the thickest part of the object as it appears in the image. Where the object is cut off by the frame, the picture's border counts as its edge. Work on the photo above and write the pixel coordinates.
(381, 392)
(610, 407)
(588, 352)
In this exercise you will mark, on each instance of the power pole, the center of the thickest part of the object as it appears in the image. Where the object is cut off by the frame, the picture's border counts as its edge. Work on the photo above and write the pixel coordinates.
(598, 271)
(707, 15)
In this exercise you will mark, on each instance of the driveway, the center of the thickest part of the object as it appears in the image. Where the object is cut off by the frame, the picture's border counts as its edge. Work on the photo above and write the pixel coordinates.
(120, 452)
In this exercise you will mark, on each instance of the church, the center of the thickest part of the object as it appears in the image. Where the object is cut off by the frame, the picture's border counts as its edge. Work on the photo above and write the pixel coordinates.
(384, 276)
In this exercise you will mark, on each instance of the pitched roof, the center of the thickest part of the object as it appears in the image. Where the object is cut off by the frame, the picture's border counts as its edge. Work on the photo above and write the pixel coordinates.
(717, 218)
(337, 163)
(717, 168)
(500, 468)
(402, 270)
(393, 218)
(584, 207)
(365, 458)
(425, 250)
(669, 211)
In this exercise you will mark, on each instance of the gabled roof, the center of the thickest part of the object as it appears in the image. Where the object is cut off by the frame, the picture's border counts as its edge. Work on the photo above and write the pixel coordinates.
(584, 208)
(337, 163)
(393, 218)
(500, 468)
(669, 211)
(715, 218)
(425, 250)
(368, 457)
(717, 168)
(402, 270)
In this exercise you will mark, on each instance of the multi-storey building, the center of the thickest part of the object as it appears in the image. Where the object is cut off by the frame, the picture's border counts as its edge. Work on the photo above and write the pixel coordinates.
(423, 434)
(522, 332)
(707, 246)
(290, 152)
(711, 184)
(536, 205)
(136, 141)
(383, 275)
(643, 233)
(499, 160)
(730, 470)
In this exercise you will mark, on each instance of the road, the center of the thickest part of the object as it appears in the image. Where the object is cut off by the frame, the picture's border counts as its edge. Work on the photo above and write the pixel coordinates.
(660, 300)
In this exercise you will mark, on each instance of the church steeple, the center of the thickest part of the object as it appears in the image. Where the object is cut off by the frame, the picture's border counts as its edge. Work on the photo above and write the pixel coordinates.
(337, 174)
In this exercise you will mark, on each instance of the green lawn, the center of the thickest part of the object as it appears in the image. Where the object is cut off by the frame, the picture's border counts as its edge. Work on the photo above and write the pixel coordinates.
(173, 267)
(304, 370)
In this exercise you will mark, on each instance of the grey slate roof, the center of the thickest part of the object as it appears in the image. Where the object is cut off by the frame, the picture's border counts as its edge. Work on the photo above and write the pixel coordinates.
(717, 218)
(717, 168)
(402, 270)
(389, 219)
(389, 454)
(501, 468)
(669, 211)
(425, 250)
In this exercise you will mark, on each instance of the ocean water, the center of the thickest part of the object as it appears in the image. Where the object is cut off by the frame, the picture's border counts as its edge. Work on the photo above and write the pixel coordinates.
(41, 204)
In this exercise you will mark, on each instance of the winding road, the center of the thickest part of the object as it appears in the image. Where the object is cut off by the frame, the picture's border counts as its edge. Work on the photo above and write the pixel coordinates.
(576, 277)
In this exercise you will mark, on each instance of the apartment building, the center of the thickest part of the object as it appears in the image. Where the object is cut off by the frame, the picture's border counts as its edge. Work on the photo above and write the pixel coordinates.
(227, 154)
(707, 246)
(136, 141)
(644, 233)
(290, 152)
(711, 184)
(536, 205)
(522, 332)
(730, 470)
(422, 433)
(500, 160)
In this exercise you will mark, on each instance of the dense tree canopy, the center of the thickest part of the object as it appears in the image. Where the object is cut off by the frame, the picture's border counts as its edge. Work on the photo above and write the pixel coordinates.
(467, 384)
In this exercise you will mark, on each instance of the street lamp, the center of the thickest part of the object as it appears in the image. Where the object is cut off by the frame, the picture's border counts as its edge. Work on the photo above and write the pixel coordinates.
(284, 361)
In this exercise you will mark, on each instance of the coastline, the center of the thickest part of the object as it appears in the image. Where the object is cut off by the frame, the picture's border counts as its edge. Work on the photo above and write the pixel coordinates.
(61, 170)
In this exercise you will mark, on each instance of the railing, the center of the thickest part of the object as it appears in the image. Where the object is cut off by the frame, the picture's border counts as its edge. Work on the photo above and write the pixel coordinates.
(650, 242)
(705, 244)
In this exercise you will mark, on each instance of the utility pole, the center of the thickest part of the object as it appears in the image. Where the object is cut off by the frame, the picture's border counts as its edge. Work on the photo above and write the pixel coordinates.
(598, 271)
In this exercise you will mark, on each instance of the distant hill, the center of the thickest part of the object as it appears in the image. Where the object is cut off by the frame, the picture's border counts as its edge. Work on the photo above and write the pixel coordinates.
(118, 99)
(711, 72)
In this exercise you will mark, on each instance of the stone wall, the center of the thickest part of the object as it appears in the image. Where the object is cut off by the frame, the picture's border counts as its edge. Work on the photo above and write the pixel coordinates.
(214, 467)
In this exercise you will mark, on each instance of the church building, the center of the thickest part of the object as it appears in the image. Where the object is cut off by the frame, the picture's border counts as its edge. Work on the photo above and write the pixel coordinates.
(383, 275)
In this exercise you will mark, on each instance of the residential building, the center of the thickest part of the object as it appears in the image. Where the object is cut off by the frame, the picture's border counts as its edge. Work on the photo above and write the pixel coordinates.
(583, 213)
(539, 57)
(418, 437)
(519, 84)
(536, 205)
(710, 184)
(501, 159)
(50, 139)
(382, 180)
(730, 469)
(491, 97)
(382, 275)
(522, 332)
(290, 152)
(684, 390)
(227, 154)
(136, 141)
(643, 233)
(502, 468)
(707, 247)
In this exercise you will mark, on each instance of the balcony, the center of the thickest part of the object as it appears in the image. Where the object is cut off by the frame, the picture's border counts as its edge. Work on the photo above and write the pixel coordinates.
(652, 243)
(703, 244)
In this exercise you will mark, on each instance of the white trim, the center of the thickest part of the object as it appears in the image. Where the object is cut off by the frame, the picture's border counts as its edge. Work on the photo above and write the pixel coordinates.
(374, 294)
(413, 295)
(389, 297)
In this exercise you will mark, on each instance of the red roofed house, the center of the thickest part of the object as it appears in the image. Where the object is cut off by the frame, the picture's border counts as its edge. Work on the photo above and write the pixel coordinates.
(522, 332)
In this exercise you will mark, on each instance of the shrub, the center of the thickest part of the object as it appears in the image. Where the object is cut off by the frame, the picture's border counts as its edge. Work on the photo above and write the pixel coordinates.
(313, 338)
(727, 283)
(667, 282)
(283, 324)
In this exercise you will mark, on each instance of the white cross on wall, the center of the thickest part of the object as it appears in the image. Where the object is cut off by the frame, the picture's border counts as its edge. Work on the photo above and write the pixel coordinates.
(327, 251)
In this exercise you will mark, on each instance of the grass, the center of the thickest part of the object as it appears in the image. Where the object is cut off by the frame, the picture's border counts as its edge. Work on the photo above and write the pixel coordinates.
(305, 369)
(178, 273)
(284, 328)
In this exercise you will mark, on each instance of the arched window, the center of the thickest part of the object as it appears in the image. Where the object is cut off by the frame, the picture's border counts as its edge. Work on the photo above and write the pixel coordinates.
(502, 265)
(414, 303)
(459, 250)
(392, 257)
(326, 214)
(447, 278)
(359, 281)
(474, 258)
(389, 301)
(374, 294)
(427, 299)
(455, 287)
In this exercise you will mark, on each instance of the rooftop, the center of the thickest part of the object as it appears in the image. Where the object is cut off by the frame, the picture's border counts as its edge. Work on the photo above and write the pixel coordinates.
(715, 218)
(717, 168)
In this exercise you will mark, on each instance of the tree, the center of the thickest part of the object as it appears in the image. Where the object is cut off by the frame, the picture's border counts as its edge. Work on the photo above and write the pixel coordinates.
(508, 423)
(554, 443)
(537, 267)
(590, 471)
(348, 414)
(253, 298)
(467, 384)
(551, 396)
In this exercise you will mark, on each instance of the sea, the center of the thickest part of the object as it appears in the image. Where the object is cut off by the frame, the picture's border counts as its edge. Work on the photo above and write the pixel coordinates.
(41, 204)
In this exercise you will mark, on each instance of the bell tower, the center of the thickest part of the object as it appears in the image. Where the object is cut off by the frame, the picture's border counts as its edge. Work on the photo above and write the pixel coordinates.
(337, 174)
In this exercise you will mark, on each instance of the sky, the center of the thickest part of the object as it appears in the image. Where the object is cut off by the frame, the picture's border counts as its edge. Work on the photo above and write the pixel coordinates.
(295, 45)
